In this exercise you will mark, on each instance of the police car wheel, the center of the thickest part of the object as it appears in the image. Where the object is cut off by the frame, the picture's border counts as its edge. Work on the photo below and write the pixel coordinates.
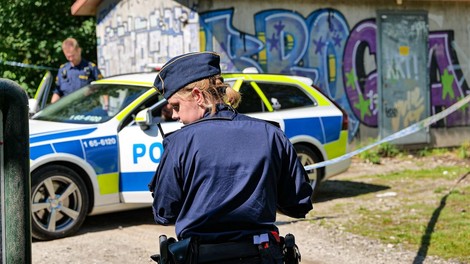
(59, 200)
(308, 157)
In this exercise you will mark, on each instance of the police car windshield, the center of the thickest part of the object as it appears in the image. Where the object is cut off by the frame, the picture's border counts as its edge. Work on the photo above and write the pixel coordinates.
(92, 104)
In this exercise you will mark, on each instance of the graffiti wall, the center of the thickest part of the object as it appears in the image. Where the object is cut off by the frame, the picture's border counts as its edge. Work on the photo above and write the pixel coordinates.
(324, 47)
(336, 47)
(134, 34)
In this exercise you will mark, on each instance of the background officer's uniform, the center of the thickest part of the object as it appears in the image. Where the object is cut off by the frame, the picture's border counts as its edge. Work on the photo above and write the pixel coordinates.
(71, 78)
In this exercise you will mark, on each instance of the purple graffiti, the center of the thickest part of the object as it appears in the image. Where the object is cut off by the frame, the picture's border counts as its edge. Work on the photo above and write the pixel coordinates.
(279, 28)
(446, 79)
(319, 45)
(274, 42)
(342, 62)
(359, 84)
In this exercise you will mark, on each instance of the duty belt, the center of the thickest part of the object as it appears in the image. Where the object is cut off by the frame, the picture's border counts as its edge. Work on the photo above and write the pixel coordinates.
(276, 249)
(229, 250)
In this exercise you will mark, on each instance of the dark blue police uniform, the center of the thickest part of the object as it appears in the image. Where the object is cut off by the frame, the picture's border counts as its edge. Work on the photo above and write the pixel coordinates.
(222, 178)
(219, 178)
(71, 78)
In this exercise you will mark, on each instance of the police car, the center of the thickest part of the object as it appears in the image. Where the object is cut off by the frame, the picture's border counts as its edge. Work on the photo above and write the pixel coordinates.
(95, 150)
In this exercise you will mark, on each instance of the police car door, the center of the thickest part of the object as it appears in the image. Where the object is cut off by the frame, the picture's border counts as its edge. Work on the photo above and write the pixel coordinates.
(43, 94)
(140, 152)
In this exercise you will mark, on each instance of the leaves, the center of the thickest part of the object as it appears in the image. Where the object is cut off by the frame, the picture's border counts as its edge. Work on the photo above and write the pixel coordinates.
(31, 32)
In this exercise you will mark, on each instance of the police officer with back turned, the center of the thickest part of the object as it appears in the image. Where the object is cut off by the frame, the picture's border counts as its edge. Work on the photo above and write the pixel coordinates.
(223, 176)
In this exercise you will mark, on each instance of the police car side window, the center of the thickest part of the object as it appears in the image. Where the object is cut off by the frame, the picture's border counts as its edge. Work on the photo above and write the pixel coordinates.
(129, 119)
(285, 96)
(251, 102)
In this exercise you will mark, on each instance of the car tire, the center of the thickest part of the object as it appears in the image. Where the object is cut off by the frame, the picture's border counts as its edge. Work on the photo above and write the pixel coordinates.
(308, 157)
(59, 200)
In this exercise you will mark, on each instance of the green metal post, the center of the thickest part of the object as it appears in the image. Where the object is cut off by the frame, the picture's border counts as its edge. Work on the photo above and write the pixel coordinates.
(15, 189)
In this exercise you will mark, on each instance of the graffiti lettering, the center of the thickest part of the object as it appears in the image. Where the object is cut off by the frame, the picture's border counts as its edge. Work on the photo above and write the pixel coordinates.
(342, 62)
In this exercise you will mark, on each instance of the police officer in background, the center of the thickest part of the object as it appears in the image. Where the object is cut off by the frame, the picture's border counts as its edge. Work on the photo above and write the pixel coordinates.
(223, 175)
(76, 73)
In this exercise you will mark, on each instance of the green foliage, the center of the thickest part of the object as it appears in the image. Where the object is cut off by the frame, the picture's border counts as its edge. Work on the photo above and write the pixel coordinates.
(375, 154)
(31, 32)
(463, 151)
(425, 152)
(388, 150)
(370, 156)
(433, 151)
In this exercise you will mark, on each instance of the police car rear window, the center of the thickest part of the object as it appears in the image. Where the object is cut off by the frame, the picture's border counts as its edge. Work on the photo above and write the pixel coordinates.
(280, 96)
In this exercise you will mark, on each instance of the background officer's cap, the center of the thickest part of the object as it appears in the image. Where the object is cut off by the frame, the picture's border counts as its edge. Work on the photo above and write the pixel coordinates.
(185, 69)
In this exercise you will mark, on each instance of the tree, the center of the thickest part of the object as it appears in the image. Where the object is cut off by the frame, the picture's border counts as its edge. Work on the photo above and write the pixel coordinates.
(31, 35)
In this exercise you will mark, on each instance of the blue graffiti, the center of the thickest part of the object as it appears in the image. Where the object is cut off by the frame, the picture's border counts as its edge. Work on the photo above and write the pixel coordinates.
(285, 42)
(341, 61)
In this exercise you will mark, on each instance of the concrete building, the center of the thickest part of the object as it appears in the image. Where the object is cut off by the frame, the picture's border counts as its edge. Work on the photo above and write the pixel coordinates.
(388, 63)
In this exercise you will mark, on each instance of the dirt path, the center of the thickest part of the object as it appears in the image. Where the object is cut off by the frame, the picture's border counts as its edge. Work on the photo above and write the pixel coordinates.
(131, 237)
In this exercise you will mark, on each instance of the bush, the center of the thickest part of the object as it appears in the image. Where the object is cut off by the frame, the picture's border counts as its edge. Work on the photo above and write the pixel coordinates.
(463, 151)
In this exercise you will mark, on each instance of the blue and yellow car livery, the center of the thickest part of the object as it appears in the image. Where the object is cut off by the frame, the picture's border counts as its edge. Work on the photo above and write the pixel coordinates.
(90, 158)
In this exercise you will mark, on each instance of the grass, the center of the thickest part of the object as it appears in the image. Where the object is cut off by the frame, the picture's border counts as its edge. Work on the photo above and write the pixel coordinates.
(464, 150)
(430, 213)
(430, 152)
(432, 221)
(383, 150)
(387, 149)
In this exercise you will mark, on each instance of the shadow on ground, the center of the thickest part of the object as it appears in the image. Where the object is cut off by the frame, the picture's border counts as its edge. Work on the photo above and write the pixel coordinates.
(97, 223)
(335, 189)
(117, 220)
(330, 190)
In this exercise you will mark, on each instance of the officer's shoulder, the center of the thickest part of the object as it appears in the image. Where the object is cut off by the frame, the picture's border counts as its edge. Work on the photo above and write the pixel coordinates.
(188, 129)
(254, 119)
(274, 123)
(181, 130)
(63, 65)
(168, 137)
(170, 134)
(91, 64)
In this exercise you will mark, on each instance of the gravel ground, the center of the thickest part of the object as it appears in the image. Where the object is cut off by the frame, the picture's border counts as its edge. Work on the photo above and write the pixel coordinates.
(131, 237)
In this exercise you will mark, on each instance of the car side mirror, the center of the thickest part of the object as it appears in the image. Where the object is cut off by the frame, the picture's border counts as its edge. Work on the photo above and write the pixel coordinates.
(144, 119)
(33, 106)
(275, 103)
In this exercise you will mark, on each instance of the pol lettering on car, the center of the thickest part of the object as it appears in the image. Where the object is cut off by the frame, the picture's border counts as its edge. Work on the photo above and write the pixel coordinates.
(155, 151)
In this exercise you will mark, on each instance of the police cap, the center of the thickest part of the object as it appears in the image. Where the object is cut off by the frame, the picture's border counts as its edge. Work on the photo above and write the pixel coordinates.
(185, 69)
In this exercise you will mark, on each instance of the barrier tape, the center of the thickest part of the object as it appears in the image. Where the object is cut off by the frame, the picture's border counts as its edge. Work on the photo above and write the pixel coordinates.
(24, 65)
(404, 132)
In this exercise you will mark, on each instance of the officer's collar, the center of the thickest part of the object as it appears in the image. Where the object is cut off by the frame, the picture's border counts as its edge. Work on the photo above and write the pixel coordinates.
(83, 63)
(221, 110)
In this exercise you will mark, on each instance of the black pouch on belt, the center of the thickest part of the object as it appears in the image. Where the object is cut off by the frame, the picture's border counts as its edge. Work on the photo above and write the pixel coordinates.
(183, 251)
(291, 251)
(163, 257)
